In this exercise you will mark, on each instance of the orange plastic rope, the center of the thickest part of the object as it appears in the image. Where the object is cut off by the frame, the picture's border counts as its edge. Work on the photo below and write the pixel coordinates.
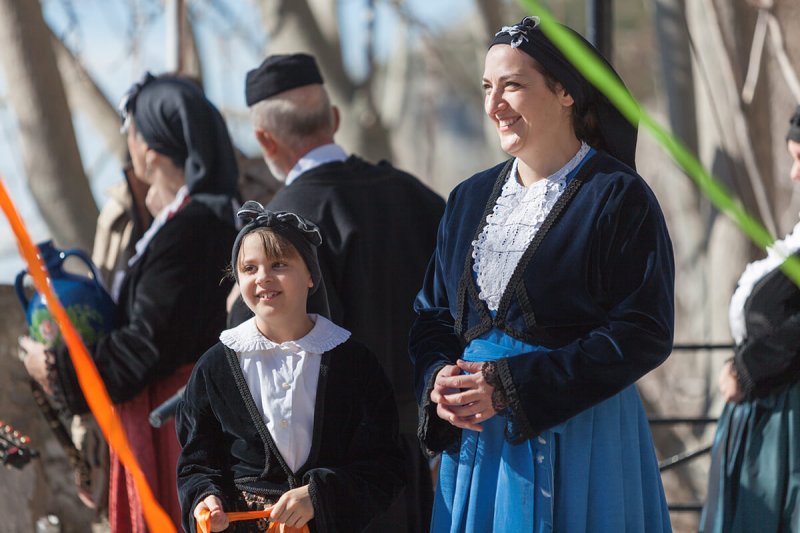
(204, 521)
(94, 390)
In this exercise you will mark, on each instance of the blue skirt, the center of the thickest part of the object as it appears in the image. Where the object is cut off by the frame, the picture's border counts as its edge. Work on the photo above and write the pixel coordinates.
(754, 479)
(595, 472)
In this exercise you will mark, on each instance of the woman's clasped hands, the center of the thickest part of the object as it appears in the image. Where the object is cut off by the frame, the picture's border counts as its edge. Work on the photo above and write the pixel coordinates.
(463, 399)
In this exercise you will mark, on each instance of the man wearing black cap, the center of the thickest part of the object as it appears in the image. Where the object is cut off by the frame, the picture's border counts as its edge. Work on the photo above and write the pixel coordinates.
(379, 229)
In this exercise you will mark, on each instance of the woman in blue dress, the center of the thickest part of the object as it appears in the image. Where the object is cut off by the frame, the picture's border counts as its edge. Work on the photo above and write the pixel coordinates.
(549, 294)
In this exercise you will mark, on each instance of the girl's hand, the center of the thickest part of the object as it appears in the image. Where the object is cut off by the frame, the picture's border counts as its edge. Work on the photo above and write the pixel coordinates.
(464, 400)
(729, 384)
(34, 357)
(294, 508)
(219, 520)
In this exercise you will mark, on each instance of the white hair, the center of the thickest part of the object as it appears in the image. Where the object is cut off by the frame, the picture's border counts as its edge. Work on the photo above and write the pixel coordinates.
(295, 115)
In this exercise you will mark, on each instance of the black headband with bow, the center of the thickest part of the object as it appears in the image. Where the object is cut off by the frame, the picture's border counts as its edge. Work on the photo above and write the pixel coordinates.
(301, 233)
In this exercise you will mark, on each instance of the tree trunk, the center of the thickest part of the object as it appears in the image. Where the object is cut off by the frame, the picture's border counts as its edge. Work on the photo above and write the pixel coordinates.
(294, 27)
(742, 143)
(49, 149)
(676, 69)
(84, 95)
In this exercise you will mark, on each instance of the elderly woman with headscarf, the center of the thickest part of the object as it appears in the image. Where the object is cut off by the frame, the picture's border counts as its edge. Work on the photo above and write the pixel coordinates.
(754, 479)
(549, 294)
(171, 302)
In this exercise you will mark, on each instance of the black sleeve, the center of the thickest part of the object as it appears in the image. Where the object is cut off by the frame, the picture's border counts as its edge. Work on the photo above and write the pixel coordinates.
(201, 464)
(433, 344)
(178, 300)
(770, 360)
(346, 498)
(634, 255)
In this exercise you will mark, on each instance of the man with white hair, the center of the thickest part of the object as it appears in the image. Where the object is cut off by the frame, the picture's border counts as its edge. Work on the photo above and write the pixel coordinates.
(379, 230)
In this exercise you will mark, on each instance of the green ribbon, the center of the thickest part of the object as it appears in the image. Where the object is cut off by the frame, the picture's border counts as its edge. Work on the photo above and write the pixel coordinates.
(602, 78)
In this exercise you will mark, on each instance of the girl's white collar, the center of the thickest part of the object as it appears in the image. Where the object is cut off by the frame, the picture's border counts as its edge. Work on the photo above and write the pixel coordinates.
(323, 337)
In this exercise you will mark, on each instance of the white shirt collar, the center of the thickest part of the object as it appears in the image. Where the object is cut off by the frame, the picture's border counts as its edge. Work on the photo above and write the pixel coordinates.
(323, 337)
(316, 157)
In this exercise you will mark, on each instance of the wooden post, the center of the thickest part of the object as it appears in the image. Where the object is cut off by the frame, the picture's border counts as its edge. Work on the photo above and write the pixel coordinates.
(599, 25)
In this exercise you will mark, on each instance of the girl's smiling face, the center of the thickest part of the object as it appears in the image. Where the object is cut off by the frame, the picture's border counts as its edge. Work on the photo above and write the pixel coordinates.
(274, 286)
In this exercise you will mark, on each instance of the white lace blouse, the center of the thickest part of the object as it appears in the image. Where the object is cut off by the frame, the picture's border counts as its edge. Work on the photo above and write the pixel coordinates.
(516, 218)
(776, 254)
(283, 378)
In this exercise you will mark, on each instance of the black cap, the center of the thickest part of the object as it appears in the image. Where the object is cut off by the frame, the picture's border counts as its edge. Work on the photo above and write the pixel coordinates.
(279, 73)
(794, 127)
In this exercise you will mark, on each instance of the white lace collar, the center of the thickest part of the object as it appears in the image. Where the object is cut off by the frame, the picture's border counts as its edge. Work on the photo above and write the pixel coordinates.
(516, 217)
(556, 177)
(323, 337)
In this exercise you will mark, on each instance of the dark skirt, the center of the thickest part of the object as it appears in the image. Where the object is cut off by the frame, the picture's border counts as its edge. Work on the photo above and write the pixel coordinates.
(754, 479)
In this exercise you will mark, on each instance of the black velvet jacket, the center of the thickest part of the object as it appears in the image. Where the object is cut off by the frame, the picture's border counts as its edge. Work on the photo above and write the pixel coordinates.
(770, 355)
(595, 286)
(355, 467)
(171, 308)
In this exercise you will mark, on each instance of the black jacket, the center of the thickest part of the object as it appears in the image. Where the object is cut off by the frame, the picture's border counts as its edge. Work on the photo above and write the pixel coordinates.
(769, 356)
(171, 308)
(354, 469)
(595, 286)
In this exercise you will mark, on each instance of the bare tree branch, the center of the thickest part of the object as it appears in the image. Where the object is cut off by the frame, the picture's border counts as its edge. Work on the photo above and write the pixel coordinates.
(297, 29)
(50, 151)
(327, 17)
(84, 94)
(491, 16)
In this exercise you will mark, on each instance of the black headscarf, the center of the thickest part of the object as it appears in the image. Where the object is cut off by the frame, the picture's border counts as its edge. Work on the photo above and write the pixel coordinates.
(794, 127)
(176, 119)
(303, 234)
(619, 135)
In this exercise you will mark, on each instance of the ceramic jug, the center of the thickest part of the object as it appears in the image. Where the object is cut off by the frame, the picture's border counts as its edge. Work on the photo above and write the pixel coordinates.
(88, 305)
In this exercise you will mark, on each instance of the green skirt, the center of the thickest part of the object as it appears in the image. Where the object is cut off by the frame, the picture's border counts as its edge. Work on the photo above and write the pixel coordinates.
(754, 479)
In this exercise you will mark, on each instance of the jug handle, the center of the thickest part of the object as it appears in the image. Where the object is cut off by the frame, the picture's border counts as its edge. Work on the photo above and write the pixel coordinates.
(80, 254)
(20, 290)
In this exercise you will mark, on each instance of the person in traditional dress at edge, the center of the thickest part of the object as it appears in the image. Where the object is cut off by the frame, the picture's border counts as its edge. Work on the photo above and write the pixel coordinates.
(754, 478)
(549, 294)
(171, 304)
(286, 410)
(379, 227)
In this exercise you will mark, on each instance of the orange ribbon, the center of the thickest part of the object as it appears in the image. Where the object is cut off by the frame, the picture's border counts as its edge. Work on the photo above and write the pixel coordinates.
(94, 390)
(204, 521)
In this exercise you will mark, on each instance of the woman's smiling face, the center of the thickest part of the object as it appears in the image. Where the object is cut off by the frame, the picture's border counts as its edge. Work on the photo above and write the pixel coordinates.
(526, 112)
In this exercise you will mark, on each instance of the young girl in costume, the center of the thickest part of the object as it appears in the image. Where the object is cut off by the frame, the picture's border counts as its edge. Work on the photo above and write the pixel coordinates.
(286, 410)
